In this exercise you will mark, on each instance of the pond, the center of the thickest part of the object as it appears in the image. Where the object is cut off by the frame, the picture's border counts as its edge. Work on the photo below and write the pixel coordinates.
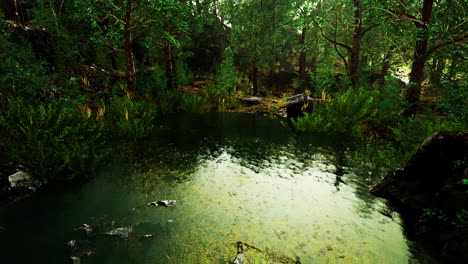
(235, 177)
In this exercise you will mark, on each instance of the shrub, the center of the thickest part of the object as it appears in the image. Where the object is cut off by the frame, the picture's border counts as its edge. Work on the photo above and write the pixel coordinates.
(131, 119)
(194, 103)
(330, 83)
(227, 78)
(217, 97)
(21, 74)
(408, 135)
(454, 102)
(182, 72)
(389, 104)
(54, 142)
(168, 101)
(345, 114)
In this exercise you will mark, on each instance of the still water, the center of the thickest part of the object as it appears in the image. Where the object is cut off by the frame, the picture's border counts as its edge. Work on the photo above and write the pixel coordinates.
(235, 177)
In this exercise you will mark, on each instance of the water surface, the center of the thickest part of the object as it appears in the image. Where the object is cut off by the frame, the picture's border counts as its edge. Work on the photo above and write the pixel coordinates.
(235, 177)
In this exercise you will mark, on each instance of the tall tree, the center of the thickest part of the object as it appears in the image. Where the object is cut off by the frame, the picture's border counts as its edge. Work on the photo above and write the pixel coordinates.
(358, 33)
(121, 24)
(431, 35)
(260, 31)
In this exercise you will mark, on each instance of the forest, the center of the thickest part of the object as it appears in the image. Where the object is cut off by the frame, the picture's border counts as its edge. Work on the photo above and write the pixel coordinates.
(81, 78)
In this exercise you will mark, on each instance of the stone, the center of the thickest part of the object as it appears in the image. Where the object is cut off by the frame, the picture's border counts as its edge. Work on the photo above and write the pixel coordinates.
(428, 171)
(22, 179)
(297, 104)
(19, 178)
(165, 203)
(434, 181)
(252, 101)
(122, 232)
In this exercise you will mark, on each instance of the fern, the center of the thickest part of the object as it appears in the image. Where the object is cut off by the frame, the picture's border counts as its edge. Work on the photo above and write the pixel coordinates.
(345, 114)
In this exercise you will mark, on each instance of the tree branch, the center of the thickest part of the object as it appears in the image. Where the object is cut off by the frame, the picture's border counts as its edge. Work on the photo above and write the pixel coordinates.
(402, 15)
(441, 45)
(417, 23)
(348, 48)
(341, 56)
(142, 35)
(368, 29)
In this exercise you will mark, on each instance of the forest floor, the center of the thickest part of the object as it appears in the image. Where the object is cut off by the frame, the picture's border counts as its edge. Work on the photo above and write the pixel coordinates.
(273, 104)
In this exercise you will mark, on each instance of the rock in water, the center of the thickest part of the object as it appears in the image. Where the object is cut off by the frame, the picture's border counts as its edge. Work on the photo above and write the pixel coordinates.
(122, 232)
(240, 254)
(165, 203)
(299, 103)
(432, 193)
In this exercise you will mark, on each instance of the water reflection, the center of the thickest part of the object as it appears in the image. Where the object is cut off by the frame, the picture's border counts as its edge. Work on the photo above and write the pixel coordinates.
(235, 178)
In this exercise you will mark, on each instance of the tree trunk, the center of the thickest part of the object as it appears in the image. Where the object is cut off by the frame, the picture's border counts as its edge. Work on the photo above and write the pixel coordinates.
(130, 62)
(198, 6)
(356, 47)
(413, 93)
(313, 65)
(254, 76)
(302, 61)
(270, 83)
(454, 61)
(385, 67)
(437, 70)
(169, 65)
(115, 60)
(14, 11)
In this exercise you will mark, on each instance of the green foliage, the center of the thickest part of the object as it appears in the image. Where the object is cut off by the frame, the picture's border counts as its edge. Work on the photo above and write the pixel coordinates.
(389, 105)
(378, 157)
(226, 77)
(458, 221)
(54, 142)
(130, 119)
(328, 82)
(167, 101)
(216, 96)
(151, 82)
(182, 72)
(20, 72)
(57, 142)
(410, 133)
(194, 103)
(345, 114)
(454, 102)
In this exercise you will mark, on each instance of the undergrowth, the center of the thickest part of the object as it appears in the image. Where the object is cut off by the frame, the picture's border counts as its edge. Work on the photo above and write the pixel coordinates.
(55, 143)
(61, 142)
(346, 113)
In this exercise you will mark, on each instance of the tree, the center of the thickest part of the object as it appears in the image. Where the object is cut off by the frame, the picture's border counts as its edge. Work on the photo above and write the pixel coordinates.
(121, 24)
(261, 30)
(358, 33)
(437, 25)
